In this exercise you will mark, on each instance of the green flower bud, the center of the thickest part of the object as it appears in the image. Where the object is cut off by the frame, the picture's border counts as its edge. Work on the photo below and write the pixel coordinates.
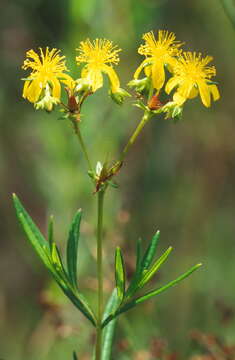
(172, 110)
(119, 96)
(141, 86)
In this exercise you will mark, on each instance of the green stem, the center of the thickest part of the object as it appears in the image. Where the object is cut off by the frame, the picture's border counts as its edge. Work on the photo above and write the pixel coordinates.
(83, 146)
(144, 120)
(98, 349)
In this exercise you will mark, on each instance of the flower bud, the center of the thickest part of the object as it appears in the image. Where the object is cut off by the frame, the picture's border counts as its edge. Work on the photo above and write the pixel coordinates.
(172, 110)
(119, 96)
(141, 85)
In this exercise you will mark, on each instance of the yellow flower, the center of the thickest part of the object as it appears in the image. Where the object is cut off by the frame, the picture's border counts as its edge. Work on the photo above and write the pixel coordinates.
(192, 77)
(47, 72)
(97, 55)
(158, 53)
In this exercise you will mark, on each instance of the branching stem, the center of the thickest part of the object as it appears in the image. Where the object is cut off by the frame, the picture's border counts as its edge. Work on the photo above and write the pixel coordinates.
(144, 120)
(82, 144)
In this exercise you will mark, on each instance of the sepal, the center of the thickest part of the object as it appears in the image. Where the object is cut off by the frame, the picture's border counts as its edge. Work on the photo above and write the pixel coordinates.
(119, 96)
(141, 86)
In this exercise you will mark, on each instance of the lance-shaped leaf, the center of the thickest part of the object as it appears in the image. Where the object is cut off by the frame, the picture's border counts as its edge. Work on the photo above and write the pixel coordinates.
(51, 232)
(108, 333)
(142, 265)
(119, 274)
(137, 275)
(51, 259)
(72, 247)
(158, 291)
(152, 271)
(33, 233)
(150, 252)
(58, 263)
(80, 302)
(129, 305)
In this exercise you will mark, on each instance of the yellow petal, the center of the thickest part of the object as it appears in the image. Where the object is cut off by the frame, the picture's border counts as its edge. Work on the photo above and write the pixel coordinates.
(179, 99)
(185, 89)
(205, 94)
(173, 82)
(25, 89)
(84, 72)
(68, 81)
(56, 88)
(95, 79)
(115, 83)
(193, 93)
(158, 75)
(34, 90)
(171, 63)
(147, 70)
(215, 92)
(140, 68)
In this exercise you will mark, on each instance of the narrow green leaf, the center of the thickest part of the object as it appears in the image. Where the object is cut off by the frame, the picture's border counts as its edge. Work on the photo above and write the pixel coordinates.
(77, 299)
(58, 263)
(119, 273)
(136, 277)
(150, 252)
(108, 332)
(149, 273)
(34, 229)
(56, 260)
(72, 247)
(51, 232)
(142, 265)
(33, 233)
(152, 293)
(42, 248)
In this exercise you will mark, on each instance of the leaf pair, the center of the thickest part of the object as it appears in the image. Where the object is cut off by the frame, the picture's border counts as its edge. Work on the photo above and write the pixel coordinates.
(144, 272)
(50, 256)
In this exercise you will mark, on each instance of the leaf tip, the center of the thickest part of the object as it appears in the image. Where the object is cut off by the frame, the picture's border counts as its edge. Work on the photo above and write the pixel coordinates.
(14, 197)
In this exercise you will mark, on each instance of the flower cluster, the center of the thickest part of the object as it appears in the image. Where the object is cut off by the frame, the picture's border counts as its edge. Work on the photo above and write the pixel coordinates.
(166, 67)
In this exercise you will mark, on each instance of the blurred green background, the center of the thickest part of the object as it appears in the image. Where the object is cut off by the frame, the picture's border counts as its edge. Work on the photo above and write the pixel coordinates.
(178, 178)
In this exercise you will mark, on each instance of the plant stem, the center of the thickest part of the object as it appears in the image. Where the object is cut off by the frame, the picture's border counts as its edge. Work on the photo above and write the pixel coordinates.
(144, 120)
(83, 146)
(99, 274)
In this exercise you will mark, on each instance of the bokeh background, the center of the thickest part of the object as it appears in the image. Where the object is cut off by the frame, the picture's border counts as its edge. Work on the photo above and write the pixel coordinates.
(178, 178)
